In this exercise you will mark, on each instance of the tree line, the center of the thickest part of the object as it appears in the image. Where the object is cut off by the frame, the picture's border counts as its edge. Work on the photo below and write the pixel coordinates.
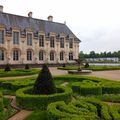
(93, 54)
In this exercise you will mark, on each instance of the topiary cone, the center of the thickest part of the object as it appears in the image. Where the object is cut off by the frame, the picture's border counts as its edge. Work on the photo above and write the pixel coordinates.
(44, 83)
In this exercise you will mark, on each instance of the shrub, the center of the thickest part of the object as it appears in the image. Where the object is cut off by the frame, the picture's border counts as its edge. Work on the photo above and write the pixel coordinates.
(7, 68)
(64, 65)
(82, 109)
(1, 102)
(87, 88)
(44, 83)
(27, 67)
(86, 65)
(25, 98)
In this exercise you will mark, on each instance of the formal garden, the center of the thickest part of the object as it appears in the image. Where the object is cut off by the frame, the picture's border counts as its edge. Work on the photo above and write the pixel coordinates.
(64, 97)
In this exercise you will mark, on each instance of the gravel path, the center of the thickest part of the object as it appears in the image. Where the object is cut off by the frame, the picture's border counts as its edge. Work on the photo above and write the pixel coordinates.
(21, 114)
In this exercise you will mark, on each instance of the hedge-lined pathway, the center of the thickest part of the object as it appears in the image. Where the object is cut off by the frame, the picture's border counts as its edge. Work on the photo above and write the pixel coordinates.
(20, 114)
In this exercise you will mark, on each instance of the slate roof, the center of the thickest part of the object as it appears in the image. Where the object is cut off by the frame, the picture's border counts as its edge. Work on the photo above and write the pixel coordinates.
(11, 20)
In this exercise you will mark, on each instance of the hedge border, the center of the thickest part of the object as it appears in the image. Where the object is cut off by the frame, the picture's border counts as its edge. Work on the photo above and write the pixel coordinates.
(40, 102)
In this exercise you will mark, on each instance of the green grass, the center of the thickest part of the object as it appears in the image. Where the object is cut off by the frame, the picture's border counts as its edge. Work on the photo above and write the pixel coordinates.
(94, 68)
(37, 115)
(18, 72)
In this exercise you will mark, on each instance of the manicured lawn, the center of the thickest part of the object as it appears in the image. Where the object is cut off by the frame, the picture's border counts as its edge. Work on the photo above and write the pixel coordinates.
(18, 72)
(94, 68)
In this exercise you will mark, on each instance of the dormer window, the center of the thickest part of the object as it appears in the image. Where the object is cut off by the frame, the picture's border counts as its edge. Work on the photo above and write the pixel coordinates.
(1, 36)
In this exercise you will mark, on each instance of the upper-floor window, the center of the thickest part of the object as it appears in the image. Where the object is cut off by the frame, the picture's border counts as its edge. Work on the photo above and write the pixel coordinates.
(41, 55)
(61, 56)
(52, 42)
(1, 54)
(41, 40)
(1, 36)
(70, 43)
(61, 42)
(15, 55)
(70, 56)
(29, 55)
(51, 56)
(29, 39)
(15, 37)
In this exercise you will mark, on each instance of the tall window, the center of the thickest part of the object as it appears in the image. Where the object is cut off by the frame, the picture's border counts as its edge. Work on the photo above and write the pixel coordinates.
(15, 37)
(29, 39)
(61, 56)
(71, 43)
(41, 40)
(29, 55)
(15, 55)
(70, 56)
(1, 36)
(52, 42)
(61, 42)
(52, 56)
(41, 55)
(1, 55)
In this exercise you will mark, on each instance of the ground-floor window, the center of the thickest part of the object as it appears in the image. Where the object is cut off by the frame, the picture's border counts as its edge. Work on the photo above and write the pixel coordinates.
(29, 55)
(70, 56)
(1, 54)
(15, 55)
(41, 55)
(61, 56)
(52, 56)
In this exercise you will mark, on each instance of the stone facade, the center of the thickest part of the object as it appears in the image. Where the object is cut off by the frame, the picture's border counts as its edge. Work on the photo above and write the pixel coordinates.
(31, 46)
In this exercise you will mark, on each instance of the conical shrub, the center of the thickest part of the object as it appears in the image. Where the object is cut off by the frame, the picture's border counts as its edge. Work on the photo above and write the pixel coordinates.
(44, 83)
(27, 66)
(7, 68)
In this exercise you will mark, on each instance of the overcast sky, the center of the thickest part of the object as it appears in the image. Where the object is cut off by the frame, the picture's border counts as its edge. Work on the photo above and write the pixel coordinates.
(95, 22)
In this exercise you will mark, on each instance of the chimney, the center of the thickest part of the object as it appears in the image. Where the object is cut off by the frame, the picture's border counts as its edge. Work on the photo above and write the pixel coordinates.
(30, 14)
(65, 22)
(50, 18)
(1, 8)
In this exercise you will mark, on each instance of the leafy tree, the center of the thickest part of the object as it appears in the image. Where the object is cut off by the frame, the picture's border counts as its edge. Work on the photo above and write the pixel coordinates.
(44, 83)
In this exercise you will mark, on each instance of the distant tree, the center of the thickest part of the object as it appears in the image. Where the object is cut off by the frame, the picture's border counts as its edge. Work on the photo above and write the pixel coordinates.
(44, 83)
(7, 68)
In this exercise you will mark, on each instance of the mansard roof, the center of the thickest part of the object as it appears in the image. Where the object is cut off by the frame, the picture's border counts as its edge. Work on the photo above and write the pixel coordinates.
(11, 20)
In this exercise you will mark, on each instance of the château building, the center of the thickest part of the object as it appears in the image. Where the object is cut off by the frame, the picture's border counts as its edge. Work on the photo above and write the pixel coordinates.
(27, 40)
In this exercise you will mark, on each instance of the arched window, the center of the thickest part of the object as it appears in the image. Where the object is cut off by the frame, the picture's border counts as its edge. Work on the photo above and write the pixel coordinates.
(41, 55)
(61, 56)
(52, 56)
(1, 54)
(70, 56)
(15, 55)
(29, 55)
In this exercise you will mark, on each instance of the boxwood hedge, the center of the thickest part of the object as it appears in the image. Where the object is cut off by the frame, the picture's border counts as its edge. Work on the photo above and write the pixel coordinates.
(82, 109)
(25, 98)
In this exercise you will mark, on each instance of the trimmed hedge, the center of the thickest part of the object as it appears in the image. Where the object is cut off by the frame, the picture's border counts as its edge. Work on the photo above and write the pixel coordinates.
(87, 88)
(1, 103)
(40, 102)
(18, 72)
(17, 84)
(82, 109)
